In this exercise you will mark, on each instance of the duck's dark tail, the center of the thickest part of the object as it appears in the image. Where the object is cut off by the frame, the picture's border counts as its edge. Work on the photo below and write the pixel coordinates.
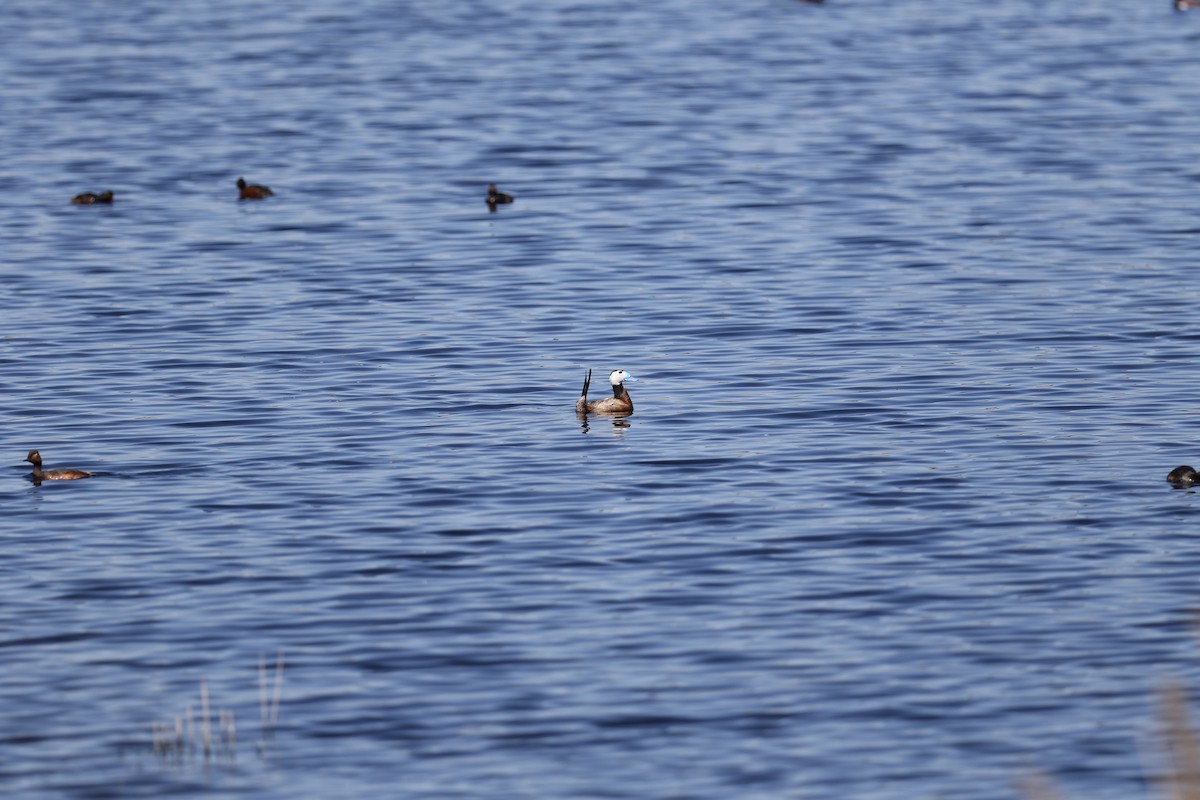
(581, 403)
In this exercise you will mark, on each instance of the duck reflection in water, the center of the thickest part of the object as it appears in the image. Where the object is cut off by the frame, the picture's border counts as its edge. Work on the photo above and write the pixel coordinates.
(40, 474)
(1183, 477)
(619, 423)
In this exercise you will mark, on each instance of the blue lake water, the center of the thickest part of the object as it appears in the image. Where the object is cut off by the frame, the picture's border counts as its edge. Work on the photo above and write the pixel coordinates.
(909, 290)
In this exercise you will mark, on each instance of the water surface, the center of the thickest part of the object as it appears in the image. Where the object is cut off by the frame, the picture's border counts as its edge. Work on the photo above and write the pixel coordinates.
(907, 289)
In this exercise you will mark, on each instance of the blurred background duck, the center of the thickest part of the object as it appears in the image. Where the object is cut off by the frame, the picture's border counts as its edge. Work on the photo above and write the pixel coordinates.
(1183, 476)
(40, 474)
(252, 191)
(88, 198)
(495, 196)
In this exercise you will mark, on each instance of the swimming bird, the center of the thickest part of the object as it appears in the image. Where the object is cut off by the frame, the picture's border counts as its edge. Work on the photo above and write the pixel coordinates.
(40, 474)
(1184, 5)
(87, 198)
(496, 196)
(251, 191)
(1182, 477)
(619, 403)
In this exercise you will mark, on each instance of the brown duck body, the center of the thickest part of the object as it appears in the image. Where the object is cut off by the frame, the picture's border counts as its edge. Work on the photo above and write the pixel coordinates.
(496, 197)
(619, 403)
(252, 191)
(40, 474)
(1183, 476)
(87, 198)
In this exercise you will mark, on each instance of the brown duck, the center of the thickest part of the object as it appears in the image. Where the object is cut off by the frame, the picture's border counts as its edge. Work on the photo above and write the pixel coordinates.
(252, 191)
(496, 197)
(87, 198)
(40, 474)
(619, 403)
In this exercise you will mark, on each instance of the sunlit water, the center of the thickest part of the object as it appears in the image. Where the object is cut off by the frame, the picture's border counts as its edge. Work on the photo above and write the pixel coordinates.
(909, 290)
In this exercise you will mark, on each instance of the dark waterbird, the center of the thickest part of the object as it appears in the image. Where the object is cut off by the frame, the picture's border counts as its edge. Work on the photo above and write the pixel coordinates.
(1182, 477)
(619, 403)
(495, 197)
(88, 198)
(40, 474)
(252, 191)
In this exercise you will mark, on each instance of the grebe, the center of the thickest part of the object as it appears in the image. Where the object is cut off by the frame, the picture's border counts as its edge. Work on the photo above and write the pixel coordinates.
(40, 474)
(619, 403)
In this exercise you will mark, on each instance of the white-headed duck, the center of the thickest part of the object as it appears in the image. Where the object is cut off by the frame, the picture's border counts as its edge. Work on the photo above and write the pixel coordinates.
(619, 403)
(1184, 5)
(251, 191)
(88, 198)
(40, 474)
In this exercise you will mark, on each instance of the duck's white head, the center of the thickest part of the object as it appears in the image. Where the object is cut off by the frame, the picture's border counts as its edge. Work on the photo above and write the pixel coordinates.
(619, 376)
